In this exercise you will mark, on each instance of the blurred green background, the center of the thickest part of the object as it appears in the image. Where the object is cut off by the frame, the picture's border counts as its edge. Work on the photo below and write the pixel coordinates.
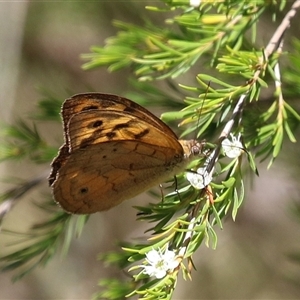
(40, 45)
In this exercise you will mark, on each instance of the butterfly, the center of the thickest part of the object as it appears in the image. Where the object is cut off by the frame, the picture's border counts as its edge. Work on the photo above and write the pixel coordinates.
(114, 149)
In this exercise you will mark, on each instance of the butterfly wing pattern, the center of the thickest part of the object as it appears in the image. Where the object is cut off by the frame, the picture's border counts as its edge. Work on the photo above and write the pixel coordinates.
(114, 150)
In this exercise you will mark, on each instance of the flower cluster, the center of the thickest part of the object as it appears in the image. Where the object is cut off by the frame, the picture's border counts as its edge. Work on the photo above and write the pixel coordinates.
(159, 263)
(201, 178)
(232, 148)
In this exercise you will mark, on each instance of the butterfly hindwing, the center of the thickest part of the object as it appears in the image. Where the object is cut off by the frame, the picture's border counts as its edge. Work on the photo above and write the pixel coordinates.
(109, 173)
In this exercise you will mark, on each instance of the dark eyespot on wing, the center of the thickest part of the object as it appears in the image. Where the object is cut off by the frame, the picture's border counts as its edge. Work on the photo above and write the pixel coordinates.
(97, 123)
(110, 135)
(121, 126)
(83, 190)
(142, 133)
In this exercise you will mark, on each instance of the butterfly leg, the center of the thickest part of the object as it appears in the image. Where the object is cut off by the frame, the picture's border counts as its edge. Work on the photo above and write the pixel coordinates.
(176, 188)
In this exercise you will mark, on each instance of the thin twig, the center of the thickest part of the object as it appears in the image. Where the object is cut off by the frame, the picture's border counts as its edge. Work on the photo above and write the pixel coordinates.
(275, 44)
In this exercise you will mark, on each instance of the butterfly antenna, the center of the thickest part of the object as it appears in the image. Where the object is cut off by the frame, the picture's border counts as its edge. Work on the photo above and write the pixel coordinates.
(201, 108)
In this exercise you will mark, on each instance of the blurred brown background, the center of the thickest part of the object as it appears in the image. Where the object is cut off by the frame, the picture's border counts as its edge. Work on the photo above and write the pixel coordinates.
(40, 45)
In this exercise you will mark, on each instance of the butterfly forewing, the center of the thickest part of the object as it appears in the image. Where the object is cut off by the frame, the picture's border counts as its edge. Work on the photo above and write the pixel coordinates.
(95, 127)
(104, 102)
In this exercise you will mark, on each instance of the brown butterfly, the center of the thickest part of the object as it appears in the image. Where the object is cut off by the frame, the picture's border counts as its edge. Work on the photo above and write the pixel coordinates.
(114, 150)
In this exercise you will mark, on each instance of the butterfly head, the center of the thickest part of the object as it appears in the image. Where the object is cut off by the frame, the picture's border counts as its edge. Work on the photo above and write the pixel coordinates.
(191, 147)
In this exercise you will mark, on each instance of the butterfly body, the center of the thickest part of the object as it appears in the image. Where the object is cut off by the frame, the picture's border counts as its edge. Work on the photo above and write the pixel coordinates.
(114, 150)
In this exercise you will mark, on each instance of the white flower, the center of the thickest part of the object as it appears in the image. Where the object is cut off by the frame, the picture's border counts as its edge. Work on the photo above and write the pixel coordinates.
(195, 3)
(232, 148)
(160, 263)
(200, 179)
